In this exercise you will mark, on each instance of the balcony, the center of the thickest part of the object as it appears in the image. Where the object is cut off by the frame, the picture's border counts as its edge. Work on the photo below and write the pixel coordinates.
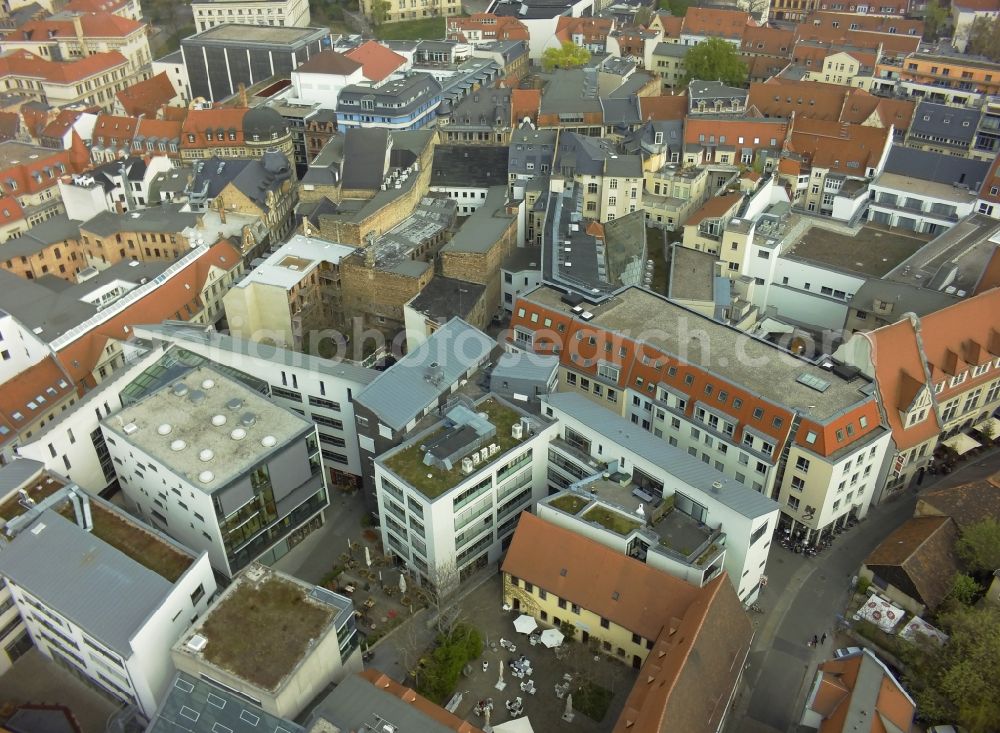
(687, 539)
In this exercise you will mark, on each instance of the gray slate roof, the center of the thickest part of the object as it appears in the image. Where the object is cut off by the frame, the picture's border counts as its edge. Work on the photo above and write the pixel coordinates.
(465, 166)
(40, 236)
(165, 218)
(229, 712)
(401, 393)
(354, 702)
(484, 226)
(75, 573)
(955, 124)
(905, 297)
(673, 461)
(938, 167)
(525, 365)
(443, 298)
(531, 146)
(18, 472)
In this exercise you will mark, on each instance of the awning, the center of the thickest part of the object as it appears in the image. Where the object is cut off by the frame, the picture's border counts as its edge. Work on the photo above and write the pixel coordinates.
(993, 429)
(961, 443)
(518, 725)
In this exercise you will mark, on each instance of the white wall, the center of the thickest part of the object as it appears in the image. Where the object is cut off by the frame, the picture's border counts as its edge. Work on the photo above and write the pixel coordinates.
(522, 281)
(322, 89)
(23, 348)
(83, 203)
(468, 198)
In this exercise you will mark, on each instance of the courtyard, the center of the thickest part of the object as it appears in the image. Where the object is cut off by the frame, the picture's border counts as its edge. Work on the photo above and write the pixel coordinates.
(483, 610)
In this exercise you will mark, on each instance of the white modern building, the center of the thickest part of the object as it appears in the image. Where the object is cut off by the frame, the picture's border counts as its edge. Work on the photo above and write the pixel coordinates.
(250, 12)
(449, 498)
(174, 67)
(631, 492)
(320, 79)
(322, 390)
(219, 467)
(103, 595)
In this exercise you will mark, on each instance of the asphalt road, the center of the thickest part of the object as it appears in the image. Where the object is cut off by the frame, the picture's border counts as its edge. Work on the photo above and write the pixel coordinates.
(803, 597)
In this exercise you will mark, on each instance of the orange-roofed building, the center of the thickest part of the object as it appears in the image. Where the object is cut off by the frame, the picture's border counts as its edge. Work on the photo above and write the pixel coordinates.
(669, 25)
(147, 98)
(664, 107)
(30, 400)
(377, 61)
(91, 80)
(111, 137)
(684, 640)
(872, 23)
(12, 220)
(123, 8)
(524, 104)
(767, 41)
(703, 23)
(946, 79)
(590, 33)
(838, 152)
(935, 376)
(234, 132)
(857, 694)
(486, 28)
(76, 35)
(30, 175)
(731, 140)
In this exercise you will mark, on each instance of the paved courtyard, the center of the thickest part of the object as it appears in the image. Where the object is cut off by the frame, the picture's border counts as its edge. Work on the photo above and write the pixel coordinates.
(483, 609)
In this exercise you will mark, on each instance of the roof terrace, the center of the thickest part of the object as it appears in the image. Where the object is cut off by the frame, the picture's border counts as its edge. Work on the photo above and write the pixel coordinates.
(146, 548)
(410, 461)
(42, 488)
(287, 617)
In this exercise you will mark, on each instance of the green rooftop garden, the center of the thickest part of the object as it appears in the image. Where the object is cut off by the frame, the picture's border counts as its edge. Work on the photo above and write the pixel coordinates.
(412, 30)
(569, 503)
(431, 481)
(612, 520)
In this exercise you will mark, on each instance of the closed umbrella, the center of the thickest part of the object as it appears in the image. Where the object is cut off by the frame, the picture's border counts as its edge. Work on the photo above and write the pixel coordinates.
(368, 557)
(402, 583)
(525, 624)
(552, 638)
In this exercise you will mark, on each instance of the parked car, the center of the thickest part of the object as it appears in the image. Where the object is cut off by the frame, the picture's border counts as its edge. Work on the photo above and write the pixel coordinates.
(846, 651)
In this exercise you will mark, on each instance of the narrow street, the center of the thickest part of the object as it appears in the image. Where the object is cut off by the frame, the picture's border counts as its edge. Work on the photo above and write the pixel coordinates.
(803, 597)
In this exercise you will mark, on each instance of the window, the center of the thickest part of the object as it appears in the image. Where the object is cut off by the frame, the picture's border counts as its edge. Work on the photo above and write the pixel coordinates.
(798, 483)
(758, 413)
(793, 503)
(608, 372)
(802, 464)
(758, 533)
(605, 624)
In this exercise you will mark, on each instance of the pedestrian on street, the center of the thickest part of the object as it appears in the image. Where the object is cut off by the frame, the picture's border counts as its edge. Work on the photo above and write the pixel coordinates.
(815, 640)
(823, 641)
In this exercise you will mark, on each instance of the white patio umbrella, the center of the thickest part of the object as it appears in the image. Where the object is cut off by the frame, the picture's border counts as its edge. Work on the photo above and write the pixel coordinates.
(552, 638)
(402, 583)
(525, 624)
(368, 557)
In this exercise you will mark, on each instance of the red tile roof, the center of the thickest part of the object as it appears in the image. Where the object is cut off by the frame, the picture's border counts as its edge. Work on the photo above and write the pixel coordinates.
(765, 40)
(83, 6)
(892, 708)
(918, 558)
(500, 27)
(43, 172)
(159, 129)
(329, 62)
(716, 22)
(93, 25)
(167, 301)
(664, 107)
(198, 122)
(715, 208)
(839, 146)
(593, 30)
(376, 60)
(31, 393)
(524, 103)
(10, 210)
(25, 64)
(873, 23)
(147, 97)
(62, 123)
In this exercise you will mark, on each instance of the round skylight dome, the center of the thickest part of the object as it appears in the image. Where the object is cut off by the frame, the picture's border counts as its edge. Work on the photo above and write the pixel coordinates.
(268, 441)
(164, 429)
(178, 445)
(219, 420)
(206, 454)
(238, 434)
(207, 383)
(206, 477)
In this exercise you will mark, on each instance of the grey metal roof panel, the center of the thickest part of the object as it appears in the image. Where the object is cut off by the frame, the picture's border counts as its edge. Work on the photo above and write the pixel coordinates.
(182, 332)
(525, 365)
(165, 218)
(467, 166)
(18, 472)
(215, 709)
(75, 573)
(401, 393)
(41, 235)
(364, 157)
(355, 701)
(484, 226)
(736, 496)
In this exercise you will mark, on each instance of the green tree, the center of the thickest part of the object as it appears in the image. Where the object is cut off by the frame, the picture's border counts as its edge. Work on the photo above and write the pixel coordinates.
(965, 589)
(957, 682)
(715, 59)
(379, 9)
(567, 56)
(676, 7)
(979, 546)
(935, 20)
(643, 16)
(984, 37)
